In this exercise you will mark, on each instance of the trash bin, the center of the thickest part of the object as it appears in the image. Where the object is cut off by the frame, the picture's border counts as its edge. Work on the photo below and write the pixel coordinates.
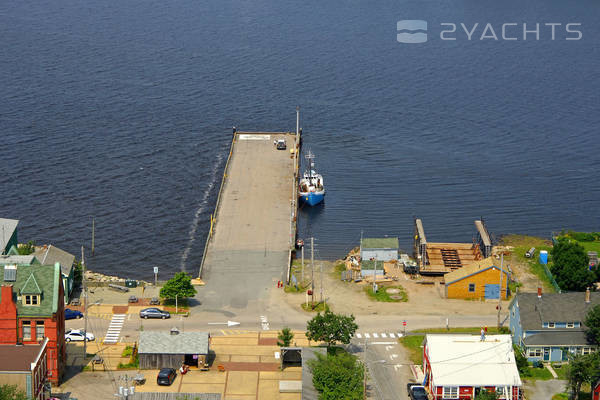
(130, 283)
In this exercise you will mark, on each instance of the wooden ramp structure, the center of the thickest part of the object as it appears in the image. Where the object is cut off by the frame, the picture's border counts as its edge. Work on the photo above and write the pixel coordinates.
(439, 258)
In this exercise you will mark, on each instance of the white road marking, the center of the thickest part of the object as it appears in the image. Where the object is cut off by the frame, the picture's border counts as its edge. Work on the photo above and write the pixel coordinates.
(383, 343)
(375, 335)
(392, 335)
(358, 335)
(367, 335)
(383, 335)
(114, 328)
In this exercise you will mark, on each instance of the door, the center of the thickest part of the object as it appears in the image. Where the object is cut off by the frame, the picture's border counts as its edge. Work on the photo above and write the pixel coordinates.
(546, 353)
(492, 291)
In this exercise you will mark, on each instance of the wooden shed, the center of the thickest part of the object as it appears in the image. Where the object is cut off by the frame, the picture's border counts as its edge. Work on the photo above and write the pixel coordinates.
(170, 350)
(476, 281)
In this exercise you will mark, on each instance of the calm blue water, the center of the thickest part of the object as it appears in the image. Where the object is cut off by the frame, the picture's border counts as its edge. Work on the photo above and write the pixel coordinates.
(123, 111)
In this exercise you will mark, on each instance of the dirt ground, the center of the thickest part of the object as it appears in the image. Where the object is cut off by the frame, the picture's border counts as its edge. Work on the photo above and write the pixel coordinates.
(424, 299)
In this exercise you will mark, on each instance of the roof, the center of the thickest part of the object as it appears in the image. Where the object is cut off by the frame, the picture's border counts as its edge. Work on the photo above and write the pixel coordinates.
(7, 228)
(31, 286)
(558, 338)
(553, 307)
(370, 265)
(19, 260)
(19, 358)
(469, 270)
(465, 360)
(46, 279)
(164, 343)
(50, 255)
(308, 389)
(379, 243)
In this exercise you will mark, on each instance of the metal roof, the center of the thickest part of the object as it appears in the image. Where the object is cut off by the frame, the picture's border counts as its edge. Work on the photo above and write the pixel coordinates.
(466, 360)
(470, 270)
(379, 243)
(19, 260)
(164, 343)
(7, 227)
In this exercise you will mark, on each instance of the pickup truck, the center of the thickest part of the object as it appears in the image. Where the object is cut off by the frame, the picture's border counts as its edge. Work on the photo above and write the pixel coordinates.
(416, 391)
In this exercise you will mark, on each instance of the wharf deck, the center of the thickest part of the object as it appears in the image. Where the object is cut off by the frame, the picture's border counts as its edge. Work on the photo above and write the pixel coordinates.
(253, 229)
(447, 257)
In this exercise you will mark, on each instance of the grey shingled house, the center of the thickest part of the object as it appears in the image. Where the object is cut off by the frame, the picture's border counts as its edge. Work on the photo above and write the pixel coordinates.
(169, 350)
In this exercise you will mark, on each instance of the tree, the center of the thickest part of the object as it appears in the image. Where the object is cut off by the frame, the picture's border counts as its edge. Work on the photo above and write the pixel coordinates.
(486, 395)
(285, 337)
(25, 249)
(521, 361)
(331, 328)
(570, 266)
(338, 376)
(580, 371)
(180, 285)
(592, 323)
(12, 392)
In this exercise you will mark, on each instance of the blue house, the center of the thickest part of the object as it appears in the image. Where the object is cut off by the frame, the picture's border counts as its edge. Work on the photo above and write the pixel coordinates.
(549, 327)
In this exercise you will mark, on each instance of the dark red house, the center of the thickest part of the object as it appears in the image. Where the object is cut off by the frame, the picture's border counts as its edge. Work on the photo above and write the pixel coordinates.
(596, 391)
(32, 309)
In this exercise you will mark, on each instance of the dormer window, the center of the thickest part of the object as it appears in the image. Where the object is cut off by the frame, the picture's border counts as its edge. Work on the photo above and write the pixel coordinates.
(31, 300)
(570, 324)
(550, 324)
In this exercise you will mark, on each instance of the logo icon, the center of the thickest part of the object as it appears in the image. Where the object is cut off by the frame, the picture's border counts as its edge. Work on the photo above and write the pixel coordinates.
(411, 31)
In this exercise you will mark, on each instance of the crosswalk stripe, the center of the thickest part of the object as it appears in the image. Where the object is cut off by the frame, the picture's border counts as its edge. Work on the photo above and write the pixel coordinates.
(383, 335)
(358, 335)
(367, 335)
(392, 335)
(375, 335)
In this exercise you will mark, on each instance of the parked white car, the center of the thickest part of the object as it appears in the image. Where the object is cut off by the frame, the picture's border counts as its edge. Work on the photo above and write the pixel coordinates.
(77, 335)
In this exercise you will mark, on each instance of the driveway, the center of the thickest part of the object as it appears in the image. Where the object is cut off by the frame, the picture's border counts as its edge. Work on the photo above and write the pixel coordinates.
(544, 390)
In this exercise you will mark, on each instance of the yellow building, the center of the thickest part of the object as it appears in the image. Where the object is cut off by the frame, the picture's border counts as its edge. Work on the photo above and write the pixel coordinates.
(476, 282)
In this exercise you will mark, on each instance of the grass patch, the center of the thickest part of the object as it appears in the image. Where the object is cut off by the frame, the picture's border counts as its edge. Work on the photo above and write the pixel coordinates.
(181, 303)
(339, 268)
(134, 363)
(561, 371)
(127, 351)
(318, 307)
(413, 344)
(560, 396)
(522, 244)
(538, 374)
(383, 295)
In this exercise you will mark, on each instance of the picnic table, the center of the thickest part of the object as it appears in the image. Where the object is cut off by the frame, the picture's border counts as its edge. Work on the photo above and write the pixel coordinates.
(139, 379)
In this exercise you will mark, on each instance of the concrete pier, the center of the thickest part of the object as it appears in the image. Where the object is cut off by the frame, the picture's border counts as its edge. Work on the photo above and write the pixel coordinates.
(253, 228)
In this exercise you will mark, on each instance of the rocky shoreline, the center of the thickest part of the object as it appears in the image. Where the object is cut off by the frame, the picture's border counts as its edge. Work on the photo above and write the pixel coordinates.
(91, 276)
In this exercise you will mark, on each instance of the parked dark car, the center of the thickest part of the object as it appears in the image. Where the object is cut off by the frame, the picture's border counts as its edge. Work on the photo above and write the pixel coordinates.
(166, 376)
(133, 299)
(72, 314)
(416, 391)
(154, 301)
(280, 145)
(153, 312)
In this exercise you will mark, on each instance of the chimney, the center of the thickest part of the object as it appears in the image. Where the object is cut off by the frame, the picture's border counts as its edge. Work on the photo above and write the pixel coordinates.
(587, 295)
(539, 293)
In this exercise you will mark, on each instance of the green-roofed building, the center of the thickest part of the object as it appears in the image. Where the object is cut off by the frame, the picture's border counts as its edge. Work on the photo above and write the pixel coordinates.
(32, 309)
(380, 249)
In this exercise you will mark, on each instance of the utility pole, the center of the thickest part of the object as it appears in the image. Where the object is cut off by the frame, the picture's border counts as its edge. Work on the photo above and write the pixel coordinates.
(302, 251)
(321, 282)
(93, 234)
(365, 373)
(312, 271)
(500, 295)
(85, 305)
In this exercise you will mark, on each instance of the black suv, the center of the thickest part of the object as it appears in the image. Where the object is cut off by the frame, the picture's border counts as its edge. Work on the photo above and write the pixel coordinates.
(166, 376)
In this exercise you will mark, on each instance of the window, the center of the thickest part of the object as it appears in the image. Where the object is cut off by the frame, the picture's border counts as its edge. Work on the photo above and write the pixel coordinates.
(31, 300)
(26, 330)
(570, 325)
(450, 392)
(39, 331)
(471, 287)
(587, 350)
(502, 392)
(534, 352)
(551, 325)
